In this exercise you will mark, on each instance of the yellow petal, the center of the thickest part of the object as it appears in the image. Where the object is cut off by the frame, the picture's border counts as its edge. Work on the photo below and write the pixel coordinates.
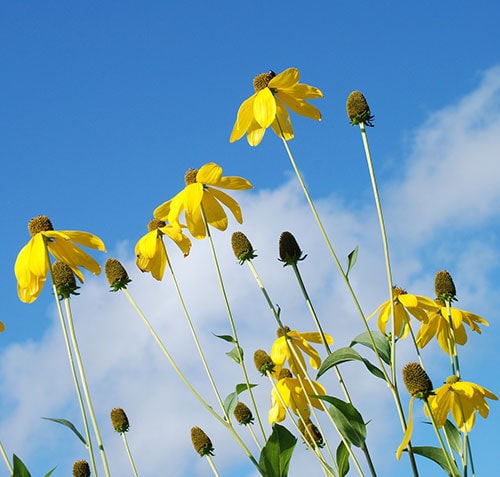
(285, 79)
(282, 125)
(214, 213)
(162, 211)
(243, 120)
(210, 173)
(303, 91)
(299, 106)
(409, 428)
(73, 256)
(83, 238)
(255, 135)
(264, 108)
(229, 202)
(196, 224)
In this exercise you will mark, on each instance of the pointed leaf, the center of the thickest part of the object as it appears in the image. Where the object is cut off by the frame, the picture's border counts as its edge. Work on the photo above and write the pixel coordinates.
(48, 474)
(348, 420)
(437, 455)
(343, 355)
(227, 338)
(234, 355)
(69, 425)
(230, 403)
(19, 469)
(342, 457)
(382, 344)
(453, 436)
(276, 454)
(351, 260)
(243, 387)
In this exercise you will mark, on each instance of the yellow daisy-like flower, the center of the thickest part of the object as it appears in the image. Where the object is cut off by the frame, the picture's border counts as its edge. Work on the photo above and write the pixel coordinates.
(463, 399)
(294, 396)
(151, 254)
(281, 350)
(404, 305)
(438, 325)
(201, 200)
(268, 106)
(32, 263)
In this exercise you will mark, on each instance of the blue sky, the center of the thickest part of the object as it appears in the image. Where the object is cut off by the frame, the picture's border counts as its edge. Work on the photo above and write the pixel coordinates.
(105, 105)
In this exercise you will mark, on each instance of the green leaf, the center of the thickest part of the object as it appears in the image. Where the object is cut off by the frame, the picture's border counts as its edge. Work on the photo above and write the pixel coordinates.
(227, 338)
(382, 344)
(230, 403)
(437, 455)
(234, 355)
(351, 260)
(342, 457)
(48, 474)
(348, 420)
(276, 454)
(232, 399)
(19, 469)
(69, 425)
(453, 436)
(343, 355)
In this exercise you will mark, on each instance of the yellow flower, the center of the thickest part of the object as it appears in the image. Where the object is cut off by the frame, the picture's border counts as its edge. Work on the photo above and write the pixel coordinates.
(281, 351)
(293, 396)
(200, 200)
(463, 399)
(151, 254)
(438, 324)
(403, 303)
(32, 262)
(267, 106)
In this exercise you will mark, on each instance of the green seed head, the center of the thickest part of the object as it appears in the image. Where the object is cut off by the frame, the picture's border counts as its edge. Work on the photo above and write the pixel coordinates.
(119, 420)
(243, 414)
(358, 110)
(81, 468)
(444, 286)
(64, 280)
(201, 442)
(263, 362)
(116, 274)
(311, 434)
(416, 380)
(242, 247)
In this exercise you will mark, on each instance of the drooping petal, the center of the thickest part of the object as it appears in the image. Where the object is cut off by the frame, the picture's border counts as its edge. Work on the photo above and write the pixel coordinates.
(315, 337)
(299, 106)
(282, 125)
(243, 120)
(83, 238)
(73, 256)
(196, 224)
(255, 134)
(229, 202)
(214, 212)
(192, 196)
(234, 183)
(31, 269)
(162, 211)
(151, 255)
(408, 432)
(175, 233)
(303, 91)
(264, 108)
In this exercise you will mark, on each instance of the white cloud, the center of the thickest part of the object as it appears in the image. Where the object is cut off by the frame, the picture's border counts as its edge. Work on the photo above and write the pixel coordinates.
(449, 181)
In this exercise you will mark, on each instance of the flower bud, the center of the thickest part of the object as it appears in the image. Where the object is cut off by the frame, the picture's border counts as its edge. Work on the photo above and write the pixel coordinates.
(242, 247)
(201, 442)
(243, 414)
(263, 362)
(358, 110)
(119, 420)
(81, 469)
(444, 286)
(416, 380)
(289, 249)
(116, 274)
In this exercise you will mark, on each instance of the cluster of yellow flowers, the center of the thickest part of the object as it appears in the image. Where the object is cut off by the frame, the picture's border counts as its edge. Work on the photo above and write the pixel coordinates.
(202, 203)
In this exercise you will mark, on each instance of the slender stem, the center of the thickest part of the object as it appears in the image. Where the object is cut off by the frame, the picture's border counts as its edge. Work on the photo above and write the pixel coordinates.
(6, 459)
(212, 465)
(85, 386)
(129, 454)
(202, 401)
(454, 352)
(77, 384)
(197, 342)
(233, 326)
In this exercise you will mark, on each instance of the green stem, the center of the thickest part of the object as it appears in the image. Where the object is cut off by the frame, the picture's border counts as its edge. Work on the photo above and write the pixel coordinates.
(85, 386)
(197, 342)
(129, 454)
(212, 465)
(6, 459)
(202, 401)
(233, 326)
